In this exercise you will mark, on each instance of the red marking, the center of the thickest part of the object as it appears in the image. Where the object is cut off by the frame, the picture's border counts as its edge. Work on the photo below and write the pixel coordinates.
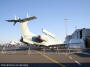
(39, 37)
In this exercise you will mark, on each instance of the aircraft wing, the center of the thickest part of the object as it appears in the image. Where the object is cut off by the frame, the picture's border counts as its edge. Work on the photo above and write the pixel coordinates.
(48, 33)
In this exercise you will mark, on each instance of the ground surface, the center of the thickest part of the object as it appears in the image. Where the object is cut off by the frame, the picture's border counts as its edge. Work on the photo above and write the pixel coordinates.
(33, 58)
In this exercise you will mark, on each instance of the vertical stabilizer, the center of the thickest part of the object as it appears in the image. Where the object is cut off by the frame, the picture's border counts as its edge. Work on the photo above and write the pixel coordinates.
(24, 30)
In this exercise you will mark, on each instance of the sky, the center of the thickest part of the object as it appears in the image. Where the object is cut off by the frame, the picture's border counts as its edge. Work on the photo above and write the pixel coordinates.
(50, 16)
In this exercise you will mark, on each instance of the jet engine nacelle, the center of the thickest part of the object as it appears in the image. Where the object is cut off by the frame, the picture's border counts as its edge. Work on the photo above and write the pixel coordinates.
(37, 39)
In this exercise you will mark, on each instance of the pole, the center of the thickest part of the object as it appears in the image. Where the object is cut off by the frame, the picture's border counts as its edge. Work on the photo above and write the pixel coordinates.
(66, 30)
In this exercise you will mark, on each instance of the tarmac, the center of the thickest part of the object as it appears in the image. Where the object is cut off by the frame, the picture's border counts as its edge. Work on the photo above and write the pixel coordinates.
(34, 58)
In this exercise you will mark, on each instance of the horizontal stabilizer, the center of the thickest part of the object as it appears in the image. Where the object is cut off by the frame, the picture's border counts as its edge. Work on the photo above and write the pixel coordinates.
(22, 20)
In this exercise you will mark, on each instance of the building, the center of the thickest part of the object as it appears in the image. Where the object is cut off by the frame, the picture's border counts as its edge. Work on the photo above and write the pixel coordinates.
(80, 37)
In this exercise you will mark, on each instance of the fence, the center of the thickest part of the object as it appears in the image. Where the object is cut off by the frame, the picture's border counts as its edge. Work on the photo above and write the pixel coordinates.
(46, 51)
(61, 51)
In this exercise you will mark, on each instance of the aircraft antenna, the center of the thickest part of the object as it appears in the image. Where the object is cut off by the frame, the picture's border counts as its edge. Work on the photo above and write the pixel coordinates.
(27, 14)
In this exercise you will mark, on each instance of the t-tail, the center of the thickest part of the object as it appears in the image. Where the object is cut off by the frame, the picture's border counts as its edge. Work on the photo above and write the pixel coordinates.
(25, 32)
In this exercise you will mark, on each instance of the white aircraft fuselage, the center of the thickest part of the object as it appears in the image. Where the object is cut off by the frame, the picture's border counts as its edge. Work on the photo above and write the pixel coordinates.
(30, 38)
